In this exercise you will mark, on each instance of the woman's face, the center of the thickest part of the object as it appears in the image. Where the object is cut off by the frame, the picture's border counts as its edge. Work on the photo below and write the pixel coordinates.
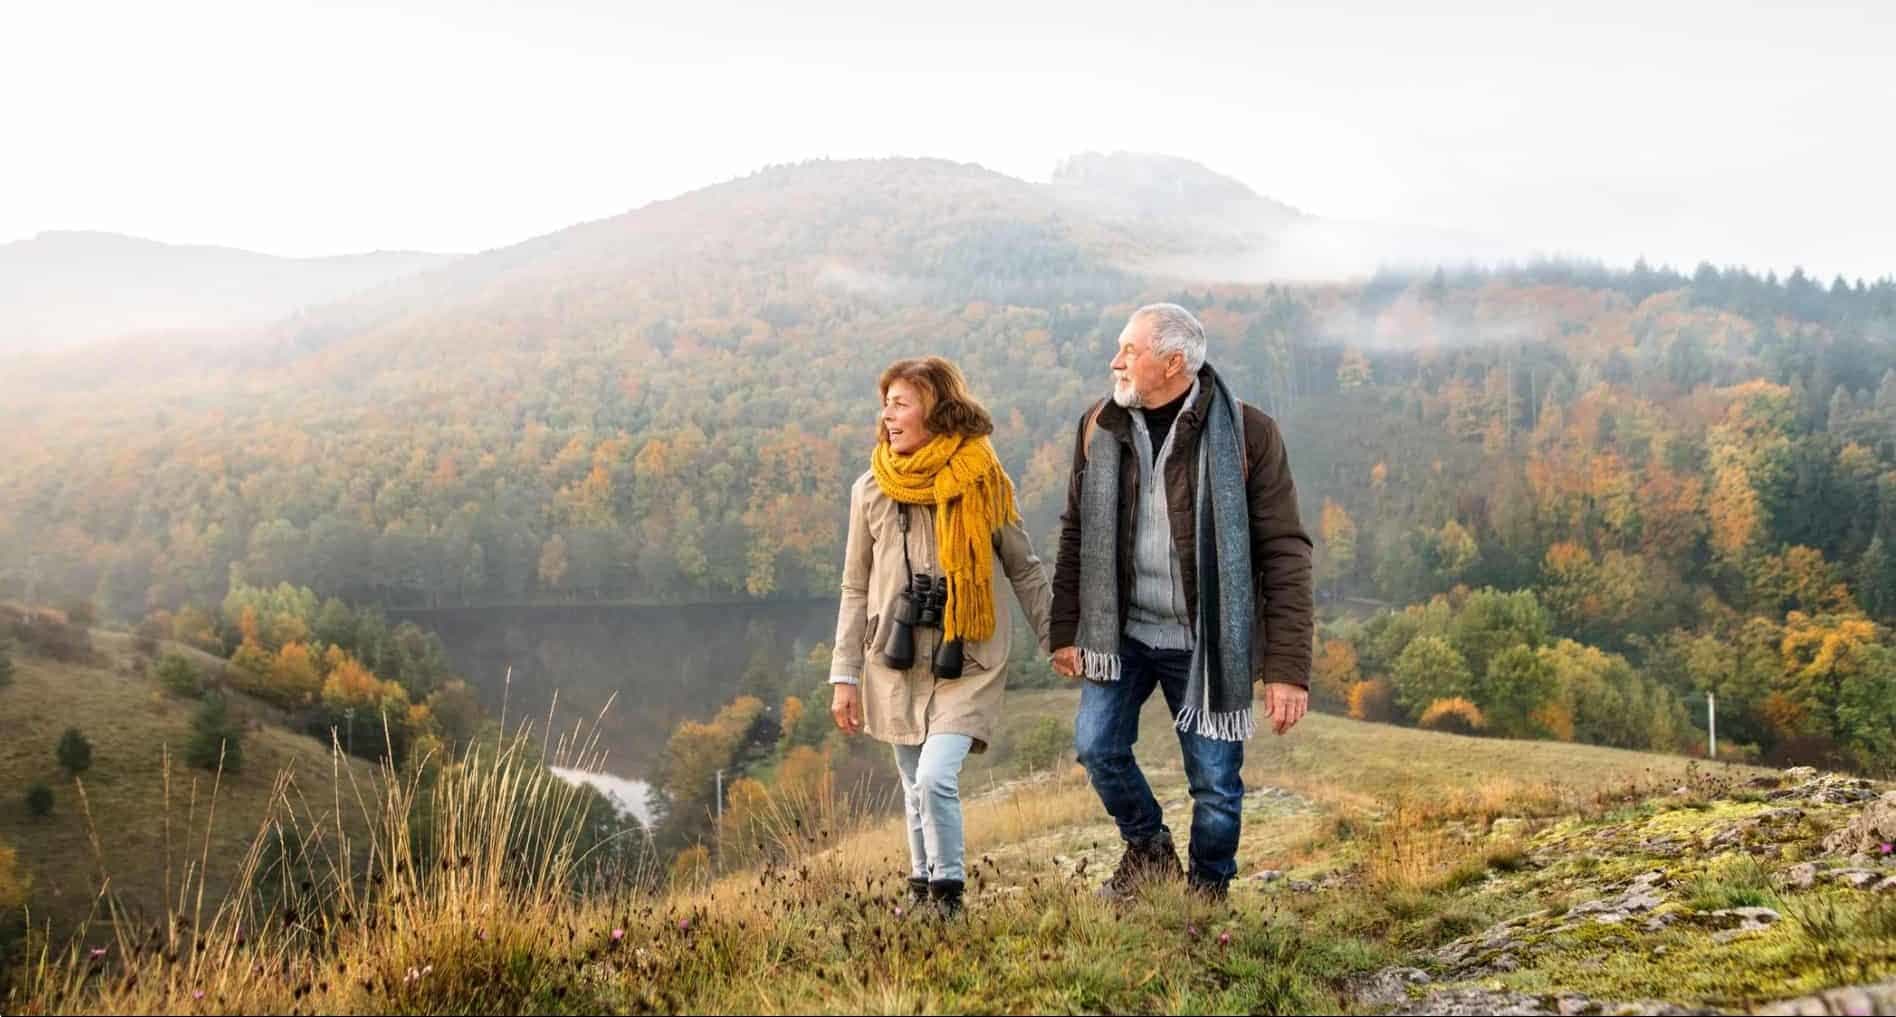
(902, 418)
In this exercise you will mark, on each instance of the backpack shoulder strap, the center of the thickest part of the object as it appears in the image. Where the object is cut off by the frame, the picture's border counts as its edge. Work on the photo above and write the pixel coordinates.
(1092, 424)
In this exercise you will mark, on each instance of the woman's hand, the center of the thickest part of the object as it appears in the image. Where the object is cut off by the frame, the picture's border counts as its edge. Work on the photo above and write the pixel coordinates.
(846, 707)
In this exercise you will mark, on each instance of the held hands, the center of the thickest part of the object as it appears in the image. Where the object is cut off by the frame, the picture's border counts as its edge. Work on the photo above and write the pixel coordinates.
(1284, 704)
(1066, 662)
(846, 707)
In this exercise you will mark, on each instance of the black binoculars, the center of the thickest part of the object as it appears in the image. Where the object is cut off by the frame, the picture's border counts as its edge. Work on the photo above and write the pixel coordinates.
(920, 607)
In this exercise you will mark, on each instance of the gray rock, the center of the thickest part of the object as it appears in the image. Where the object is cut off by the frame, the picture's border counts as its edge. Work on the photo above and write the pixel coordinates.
(1733, 835)
(1568, 1003)
(1641, 901)
(1868, 831)
(1739, 919)
(1269, 876)
(1658, 922)
(1877, 998)
(1829, 789)
(1802, 876)
(1388, 987)
(1468, 1002)
(1639, 897)
(1301, 886)
(1858, 878)
(1661, 847)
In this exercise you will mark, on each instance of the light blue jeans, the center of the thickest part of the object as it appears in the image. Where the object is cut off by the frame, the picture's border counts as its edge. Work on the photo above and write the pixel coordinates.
(931, 795)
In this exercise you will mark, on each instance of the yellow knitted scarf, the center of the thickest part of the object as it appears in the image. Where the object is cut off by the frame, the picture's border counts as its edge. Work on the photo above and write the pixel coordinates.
(963, 479)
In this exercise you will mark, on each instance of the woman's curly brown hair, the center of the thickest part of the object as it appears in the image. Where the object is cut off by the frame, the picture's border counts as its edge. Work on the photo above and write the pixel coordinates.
(947, 407)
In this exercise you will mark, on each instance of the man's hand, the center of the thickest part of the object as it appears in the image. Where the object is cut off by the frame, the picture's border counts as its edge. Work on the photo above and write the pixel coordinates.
(1285, 704)
(1066, 662)
(846, 707)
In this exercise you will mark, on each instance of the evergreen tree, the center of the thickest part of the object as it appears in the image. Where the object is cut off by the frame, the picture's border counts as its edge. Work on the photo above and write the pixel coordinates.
(214, 737)
(74, 752)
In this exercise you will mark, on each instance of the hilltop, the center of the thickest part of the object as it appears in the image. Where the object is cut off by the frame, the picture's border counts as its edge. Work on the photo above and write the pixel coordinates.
(1381, 867)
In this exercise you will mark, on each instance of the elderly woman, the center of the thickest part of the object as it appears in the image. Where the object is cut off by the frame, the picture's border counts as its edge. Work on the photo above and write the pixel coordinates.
(928, 523)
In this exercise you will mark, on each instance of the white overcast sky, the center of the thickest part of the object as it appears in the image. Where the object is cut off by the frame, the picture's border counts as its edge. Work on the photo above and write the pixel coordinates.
(1733, 132)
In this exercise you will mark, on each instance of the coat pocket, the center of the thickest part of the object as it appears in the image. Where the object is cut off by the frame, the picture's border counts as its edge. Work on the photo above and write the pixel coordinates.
(977, 657)
(869, 636)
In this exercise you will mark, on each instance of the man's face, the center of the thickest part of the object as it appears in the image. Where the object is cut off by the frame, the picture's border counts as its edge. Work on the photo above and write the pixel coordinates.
(1138, 370)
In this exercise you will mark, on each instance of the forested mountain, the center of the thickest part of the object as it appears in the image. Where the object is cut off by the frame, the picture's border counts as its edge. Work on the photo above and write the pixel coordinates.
(1698, 472)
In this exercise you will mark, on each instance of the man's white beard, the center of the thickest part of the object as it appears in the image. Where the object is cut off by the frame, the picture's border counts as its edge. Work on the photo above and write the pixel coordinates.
(1127, 396)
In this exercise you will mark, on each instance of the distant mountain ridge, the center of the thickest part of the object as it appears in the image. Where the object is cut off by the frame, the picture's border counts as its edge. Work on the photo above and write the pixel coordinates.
(887, 231)
(63, 288)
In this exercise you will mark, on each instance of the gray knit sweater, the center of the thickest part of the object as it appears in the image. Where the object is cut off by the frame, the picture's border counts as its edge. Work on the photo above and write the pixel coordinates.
(1157, 615)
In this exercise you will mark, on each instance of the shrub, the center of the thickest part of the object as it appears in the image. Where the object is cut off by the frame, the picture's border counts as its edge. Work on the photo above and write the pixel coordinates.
(1456, 716)
(179, 676)
(1041, 747)
(1372, 700)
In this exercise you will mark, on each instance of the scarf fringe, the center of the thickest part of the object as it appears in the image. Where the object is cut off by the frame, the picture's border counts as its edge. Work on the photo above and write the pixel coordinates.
(1100, 667)
(1229, 726)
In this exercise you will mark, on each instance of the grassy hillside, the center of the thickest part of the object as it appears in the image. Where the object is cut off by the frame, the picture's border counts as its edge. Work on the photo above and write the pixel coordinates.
(1381, 867)
(117, 828)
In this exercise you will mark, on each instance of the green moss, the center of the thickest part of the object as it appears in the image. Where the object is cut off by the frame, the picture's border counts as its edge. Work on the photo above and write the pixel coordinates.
(1695, 970)
(1691, 821)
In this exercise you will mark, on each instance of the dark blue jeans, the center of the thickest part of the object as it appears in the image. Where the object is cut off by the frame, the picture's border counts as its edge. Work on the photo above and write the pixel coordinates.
(1103, 736)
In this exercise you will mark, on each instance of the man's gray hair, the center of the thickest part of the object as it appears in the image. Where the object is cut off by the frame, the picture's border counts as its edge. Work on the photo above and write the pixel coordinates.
(1174, 330)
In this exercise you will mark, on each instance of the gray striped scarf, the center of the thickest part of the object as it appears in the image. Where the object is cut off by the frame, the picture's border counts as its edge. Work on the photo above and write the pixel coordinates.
(1218, 692)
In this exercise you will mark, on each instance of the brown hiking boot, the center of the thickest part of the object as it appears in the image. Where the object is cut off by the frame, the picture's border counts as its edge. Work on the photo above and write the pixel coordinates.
(1211, 891)
(1153, 858)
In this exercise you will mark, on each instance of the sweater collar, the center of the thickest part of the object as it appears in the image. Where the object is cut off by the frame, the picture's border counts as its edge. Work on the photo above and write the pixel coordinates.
(1118, 419)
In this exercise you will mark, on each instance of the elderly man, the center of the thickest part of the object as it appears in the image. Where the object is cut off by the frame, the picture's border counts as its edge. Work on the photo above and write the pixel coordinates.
(1182, 565)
